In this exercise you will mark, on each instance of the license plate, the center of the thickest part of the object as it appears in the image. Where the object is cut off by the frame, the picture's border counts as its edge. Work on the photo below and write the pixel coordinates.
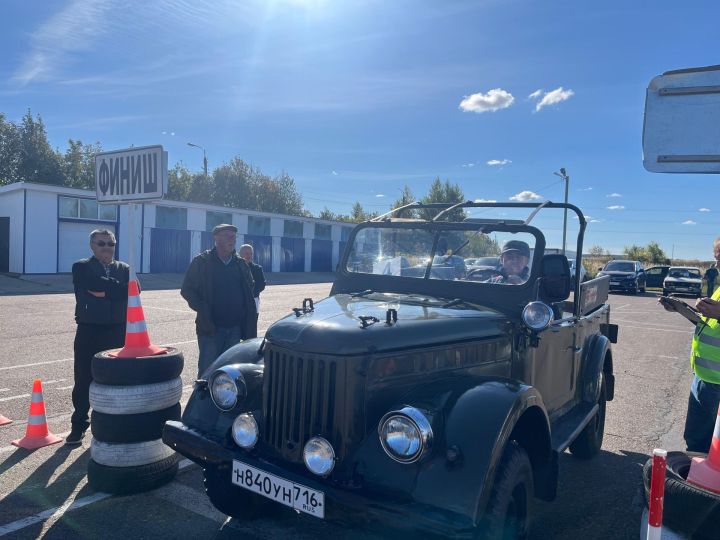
(278, 489)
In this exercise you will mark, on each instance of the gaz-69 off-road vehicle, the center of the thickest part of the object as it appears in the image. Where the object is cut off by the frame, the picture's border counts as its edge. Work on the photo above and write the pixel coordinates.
(421, 393)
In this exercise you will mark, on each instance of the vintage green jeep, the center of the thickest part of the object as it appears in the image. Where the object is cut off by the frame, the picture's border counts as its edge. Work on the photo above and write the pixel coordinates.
(424, 392)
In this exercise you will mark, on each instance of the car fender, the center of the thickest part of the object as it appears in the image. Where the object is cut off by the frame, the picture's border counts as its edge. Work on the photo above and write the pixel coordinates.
(595, 350)
(471, 424)
(201, 412)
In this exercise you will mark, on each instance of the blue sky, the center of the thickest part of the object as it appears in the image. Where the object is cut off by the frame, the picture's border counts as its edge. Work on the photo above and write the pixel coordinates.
(355, 99)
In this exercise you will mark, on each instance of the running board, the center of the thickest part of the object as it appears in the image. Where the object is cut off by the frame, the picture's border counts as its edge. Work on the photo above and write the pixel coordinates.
(566, 430)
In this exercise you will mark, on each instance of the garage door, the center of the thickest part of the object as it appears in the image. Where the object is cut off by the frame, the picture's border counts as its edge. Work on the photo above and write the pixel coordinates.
(74, 242)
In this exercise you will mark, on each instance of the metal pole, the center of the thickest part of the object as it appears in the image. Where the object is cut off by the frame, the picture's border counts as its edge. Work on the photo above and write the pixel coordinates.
(567, 185)
(131, 240)
(205, 164)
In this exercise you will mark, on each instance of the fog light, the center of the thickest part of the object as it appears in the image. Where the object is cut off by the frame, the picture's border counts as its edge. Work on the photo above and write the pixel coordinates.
(245, 431)
(319, 456)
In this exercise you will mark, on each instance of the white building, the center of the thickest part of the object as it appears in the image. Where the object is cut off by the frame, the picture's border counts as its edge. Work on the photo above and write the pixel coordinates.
(44, 229)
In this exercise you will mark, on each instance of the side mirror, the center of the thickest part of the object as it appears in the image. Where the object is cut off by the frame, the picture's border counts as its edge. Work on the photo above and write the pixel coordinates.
(555, 279)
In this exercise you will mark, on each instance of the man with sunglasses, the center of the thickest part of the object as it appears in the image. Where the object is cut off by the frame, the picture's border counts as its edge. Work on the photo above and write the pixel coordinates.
(101, 295)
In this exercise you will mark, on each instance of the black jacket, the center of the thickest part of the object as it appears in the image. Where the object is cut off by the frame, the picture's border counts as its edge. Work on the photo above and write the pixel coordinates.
(259, 278)
(89, 275)
(197, 289)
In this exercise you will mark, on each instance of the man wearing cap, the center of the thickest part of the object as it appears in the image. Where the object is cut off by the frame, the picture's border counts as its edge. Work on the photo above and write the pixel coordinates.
(246, 252)
(514, 258)
(218, 286)
(101, 296)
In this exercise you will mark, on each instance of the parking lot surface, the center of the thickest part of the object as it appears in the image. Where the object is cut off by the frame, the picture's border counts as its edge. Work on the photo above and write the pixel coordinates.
(44, 494)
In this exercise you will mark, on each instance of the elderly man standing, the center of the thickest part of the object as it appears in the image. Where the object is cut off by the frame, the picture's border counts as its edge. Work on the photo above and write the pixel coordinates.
(246, 252)
(101, 295)
(218, 286)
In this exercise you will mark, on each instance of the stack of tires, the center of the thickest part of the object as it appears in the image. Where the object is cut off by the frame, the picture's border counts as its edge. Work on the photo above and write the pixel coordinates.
(132, 398)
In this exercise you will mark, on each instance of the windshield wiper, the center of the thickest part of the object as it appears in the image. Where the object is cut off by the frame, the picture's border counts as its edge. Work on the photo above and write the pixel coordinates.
(456, 302)
(362, 293)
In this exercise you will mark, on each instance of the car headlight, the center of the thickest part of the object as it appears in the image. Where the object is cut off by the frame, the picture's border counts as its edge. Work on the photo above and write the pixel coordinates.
(319, 456)
(245, 431)
(406, 435)
(537, 316)
(227, 386)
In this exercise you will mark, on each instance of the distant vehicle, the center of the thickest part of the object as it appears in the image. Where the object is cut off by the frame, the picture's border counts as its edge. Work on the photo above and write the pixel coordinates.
(683, 280)
(483, 261)
(626, 276)
(583, 272)
(655, 275)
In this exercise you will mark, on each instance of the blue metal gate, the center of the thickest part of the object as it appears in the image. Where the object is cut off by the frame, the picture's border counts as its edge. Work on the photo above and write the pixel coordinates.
(169, 250)
(321, 256)
(262, 250)
(293, 255)
(206, 241)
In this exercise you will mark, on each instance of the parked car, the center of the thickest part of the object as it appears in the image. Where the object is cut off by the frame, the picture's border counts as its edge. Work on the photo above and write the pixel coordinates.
(627, 276)
(583, 272)
(411, 400)
(683, 280)
(655, 275)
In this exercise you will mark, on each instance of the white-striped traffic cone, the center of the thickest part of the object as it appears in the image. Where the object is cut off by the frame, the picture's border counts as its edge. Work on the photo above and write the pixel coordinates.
(37, 434)
(137, 339)
(705, 472)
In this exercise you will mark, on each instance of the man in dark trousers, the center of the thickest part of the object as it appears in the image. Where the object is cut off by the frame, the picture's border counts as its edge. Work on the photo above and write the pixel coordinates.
(218, 286)
(246, 252)
(101, 295)
(711, 275)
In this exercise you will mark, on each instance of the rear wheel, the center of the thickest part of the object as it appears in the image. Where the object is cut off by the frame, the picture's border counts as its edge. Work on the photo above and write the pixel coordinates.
(233, 500)
(508, 511)
(589, 442)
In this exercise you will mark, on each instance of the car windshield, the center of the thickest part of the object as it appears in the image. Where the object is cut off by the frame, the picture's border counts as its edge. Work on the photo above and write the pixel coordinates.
(423, 253)
(620, 267)
(684, 273)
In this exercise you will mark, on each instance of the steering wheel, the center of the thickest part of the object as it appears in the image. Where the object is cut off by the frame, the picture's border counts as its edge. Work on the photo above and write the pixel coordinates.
(483, 274)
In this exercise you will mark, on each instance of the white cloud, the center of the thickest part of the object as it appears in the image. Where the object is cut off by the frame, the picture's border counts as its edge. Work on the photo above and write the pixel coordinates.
(614, 195)
(485, 200)
(616, 207)
(468, 165)
(703, 210)
(536, 94)
(689, 222)
(498, 162)
(594, 220)
(379, 195)
(551, 98)
(494, 100)
(526, 196)
(334, 173)
(586, 189)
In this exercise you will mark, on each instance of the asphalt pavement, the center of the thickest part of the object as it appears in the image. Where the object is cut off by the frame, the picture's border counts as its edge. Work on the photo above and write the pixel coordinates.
(45, 493)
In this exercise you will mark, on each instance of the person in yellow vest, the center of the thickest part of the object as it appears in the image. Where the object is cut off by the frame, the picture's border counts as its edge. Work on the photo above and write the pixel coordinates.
(705, 360)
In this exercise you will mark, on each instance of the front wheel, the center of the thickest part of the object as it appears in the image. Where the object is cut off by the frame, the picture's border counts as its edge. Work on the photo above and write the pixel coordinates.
(508, 512)
(589, 442)
(230, 499)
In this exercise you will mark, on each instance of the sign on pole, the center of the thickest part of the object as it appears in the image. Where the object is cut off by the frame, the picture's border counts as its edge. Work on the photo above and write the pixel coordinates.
(133, 174)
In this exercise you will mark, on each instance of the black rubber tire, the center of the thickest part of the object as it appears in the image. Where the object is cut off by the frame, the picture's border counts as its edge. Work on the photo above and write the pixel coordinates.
(131, 428)
(113, 371)
(665, 293)
(233, 500)
(686, 508)
(588, 443)
(509, 509)
(126, 480)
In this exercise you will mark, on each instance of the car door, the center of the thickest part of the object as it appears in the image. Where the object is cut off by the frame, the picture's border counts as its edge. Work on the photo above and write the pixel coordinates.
(654, 276)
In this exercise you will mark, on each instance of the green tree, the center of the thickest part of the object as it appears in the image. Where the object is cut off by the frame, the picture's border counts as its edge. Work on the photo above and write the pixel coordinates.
(655, 253)
(443, 192)
(406, 197)
(635, 253)
(9, 151)
(38, 161)
(78, 164)
(326, 213)
(598, 251)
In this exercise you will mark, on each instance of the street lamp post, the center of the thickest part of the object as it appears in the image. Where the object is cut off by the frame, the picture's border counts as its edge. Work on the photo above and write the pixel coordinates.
(204, 156)
(562, 174)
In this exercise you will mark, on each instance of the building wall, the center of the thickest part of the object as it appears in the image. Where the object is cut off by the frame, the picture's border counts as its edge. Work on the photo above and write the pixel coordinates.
(41, 226)
(11, 205)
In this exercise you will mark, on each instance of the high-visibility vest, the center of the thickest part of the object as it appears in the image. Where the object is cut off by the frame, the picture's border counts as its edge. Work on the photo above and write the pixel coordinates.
(705, 357)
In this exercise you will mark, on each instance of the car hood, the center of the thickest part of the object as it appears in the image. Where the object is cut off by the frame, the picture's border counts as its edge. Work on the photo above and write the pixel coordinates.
(334, 327)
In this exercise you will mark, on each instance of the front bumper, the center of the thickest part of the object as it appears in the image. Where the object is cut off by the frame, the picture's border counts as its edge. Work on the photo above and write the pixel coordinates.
(682, 288)
(351, 507)
(622, 286)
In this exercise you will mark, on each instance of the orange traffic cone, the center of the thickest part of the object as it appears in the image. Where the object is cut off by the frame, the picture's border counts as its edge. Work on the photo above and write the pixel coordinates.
(705, 472)
(4, 420)
(37, 434)
(137, 340)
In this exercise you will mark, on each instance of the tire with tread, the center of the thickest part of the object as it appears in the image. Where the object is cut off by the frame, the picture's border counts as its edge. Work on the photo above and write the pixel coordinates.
(233, 500)
(686, 508)
(507, 515)
(135, 399)
(589, 442)
(110, 370)
(131, 428)
(129, 455)
(126, 480)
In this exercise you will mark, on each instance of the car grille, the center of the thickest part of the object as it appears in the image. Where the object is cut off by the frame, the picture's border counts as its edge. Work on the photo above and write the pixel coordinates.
(300, 396)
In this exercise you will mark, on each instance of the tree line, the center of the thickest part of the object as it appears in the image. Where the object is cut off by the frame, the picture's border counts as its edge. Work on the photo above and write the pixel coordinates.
(27, 156)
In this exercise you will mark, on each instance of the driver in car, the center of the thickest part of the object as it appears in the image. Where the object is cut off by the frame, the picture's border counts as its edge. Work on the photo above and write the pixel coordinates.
(514, 258)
